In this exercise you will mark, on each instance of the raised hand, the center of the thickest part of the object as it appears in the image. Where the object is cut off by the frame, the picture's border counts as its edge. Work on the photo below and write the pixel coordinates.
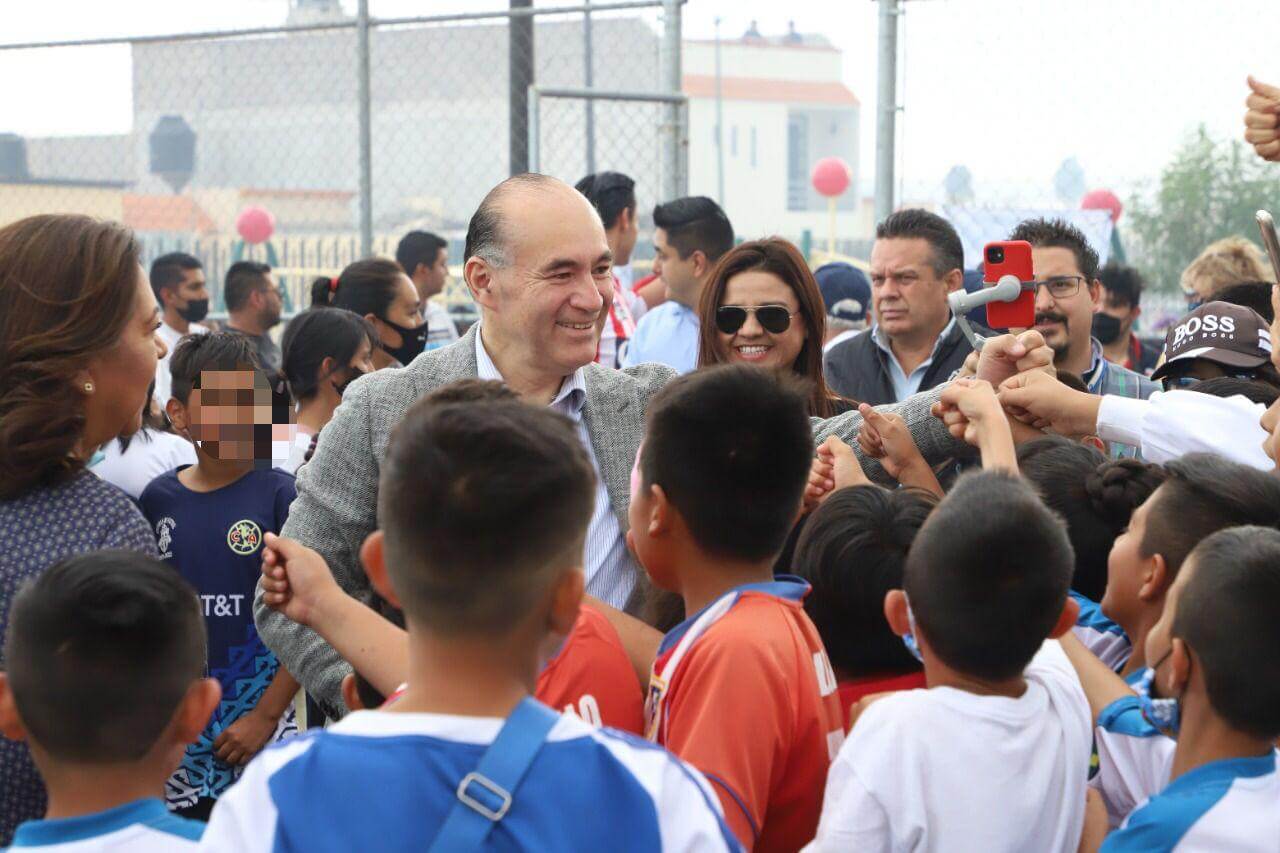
(296, 581)
(1007, 356)
(1262, 119)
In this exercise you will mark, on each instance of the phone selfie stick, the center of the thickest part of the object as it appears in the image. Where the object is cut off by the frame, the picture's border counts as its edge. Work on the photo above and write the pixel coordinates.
(1007, 289)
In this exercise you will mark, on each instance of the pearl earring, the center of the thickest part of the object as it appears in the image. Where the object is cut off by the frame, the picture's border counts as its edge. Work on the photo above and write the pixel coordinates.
(88, 387)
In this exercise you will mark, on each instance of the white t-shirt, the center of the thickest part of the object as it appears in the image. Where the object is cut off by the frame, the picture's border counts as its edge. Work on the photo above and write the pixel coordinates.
(942, 769)
(150, 454)
(170, 336)
(142, 826)
(1173, 423)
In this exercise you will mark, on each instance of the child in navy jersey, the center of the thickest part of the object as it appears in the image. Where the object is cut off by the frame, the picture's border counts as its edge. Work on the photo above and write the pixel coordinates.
(210, 519)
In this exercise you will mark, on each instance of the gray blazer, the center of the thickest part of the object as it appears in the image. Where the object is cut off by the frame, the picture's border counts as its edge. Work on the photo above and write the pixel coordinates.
(336, 507)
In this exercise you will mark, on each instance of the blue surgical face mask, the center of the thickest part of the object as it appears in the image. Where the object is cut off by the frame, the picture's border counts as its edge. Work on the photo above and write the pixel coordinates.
(1164, 714)
(909, 638)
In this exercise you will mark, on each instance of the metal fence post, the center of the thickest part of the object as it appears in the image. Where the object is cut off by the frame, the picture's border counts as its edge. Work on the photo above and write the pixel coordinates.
(366, 131)
(534, 128)
(674, 181)
(887, 107)
(520, 78)
(588, 81)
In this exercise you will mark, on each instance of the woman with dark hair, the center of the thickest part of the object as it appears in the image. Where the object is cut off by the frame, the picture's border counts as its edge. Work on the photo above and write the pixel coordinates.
(131, 462)
(762, 306)
(378, 290)
(324, 352)
(78, 351)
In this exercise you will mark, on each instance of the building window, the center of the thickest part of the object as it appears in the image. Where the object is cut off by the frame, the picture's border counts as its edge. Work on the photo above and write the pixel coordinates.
(797, 162)
(753, 146)
(733, 141)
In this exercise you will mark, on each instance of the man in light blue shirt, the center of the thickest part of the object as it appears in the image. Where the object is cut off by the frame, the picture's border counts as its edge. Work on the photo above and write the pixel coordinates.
(690, 235)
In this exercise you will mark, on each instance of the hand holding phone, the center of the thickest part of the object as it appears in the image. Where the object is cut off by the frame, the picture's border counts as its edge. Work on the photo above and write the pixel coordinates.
(1267, 226)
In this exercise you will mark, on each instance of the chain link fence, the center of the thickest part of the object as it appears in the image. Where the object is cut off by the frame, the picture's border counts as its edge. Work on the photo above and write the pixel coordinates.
(240, 136)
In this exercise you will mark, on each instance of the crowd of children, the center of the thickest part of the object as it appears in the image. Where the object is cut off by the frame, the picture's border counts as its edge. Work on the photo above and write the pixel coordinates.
(1054, 652)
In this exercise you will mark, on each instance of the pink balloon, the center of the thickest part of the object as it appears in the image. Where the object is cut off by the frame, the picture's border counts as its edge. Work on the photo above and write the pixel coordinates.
(830, 176)
(255, 224)
(1103, 200)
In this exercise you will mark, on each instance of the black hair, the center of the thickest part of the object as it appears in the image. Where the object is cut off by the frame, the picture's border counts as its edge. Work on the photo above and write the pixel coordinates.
(243, 279)
(731, 446)
(370, 696)
(944, 242)
(1255, 390)
(482, 503)
(1250, 294)
(1072, 381)
(419, 247)
(1203, 494)
(473, 391)
(216, 350)
(1093, 495)
(100, 651)
(695, 223)
(1060, 234)
(1229, 614)
(364, 287)
(313, 336)
(486, 237)
(988, 574)
(610, 193)
(167, 270)
(852, 553)
(1123, 283)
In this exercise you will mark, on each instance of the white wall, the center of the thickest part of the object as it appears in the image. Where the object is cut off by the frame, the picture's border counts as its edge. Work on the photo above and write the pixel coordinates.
(770, 62)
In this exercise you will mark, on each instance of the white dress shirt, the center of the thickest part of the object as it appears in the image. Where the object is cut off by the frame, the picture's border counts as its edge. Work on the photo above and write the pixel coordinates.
(164, 380)
(1173, 423)
(610, 570)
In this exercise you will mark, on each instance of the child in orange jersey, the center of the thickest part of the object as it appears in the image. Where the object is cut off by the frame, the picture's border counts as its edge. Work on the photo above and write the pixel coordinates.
(742, 689)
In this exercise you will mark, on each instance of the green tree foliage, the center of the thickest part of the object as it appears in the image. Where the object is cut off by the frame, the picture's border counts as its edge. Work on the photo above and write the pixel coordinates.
(1209, 190)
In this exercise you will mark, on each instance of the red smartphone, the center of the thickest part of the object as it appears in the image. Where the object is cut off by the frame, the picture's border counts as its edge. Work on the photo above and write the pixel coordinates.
(1009, 257)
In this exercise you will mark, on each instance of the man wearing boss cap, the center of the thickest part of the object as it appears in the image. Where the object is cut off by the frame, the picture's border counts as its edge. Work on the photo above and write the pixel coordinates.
(1217, 339)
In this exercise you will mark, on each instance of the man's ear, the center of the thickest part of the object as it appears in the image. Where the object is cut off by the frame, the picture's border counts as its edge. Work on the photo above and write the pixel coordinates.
(566, 601)
(1095, 294)
(1155, 578)
(701, 265)
(479, 278)
(954, 280)
(1066, 619)
(196, 709)
(373, 557)
(10, 721)
(895, 612)
(350, 695)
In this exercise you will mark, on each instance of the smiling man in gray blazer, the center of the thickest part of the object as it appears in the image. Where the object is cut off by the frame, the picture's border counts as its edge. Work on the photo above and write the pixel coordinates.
(540, 270)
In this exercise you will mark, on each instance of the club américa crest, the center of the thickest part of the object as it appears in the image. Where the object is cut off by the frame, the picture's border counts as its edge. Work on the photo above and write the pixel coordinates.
(244, 537)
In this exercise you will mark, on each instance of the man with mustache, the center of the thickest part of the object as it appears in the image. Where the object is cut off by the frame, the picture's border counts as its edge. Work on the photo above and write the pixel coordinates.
(1068, 294)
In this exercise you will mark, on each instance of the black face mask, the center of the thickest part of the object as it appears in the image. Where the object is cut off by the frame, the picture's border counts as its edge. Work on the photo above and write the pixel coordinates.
(413, 340)
(355, 374)
(196, 310)
(1106, 328)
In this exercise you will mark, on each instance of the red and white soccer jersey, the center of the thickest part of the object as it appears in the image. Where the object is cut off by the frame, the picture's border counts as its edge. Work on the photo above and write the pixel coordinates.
(592, 676)
(744, 692)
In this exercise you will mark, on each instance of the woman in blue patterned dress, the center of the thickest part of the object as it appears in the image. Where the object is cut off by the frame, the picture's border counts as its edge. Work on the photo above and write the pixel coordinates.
(78, 350)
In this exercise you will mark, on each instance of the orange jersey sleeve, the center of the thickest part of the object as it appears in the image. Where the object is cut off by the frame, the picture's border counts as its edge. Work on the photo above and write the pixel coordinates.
(753, 706)
(592, 676)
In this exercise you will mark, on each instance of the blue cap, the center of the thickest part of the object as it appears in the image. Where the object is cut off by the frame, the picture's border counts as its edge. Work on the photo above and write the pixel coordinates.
(846, 291)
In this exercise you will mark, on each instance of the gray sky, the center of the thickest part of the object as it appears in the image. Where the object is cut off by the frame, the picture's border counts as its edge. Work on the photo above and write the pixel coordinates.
(1008, 88)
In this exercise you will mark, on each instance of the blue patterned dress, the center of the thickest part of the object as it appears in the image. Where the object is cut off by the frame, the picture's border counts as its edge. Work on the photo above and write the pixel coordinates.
(37, 530)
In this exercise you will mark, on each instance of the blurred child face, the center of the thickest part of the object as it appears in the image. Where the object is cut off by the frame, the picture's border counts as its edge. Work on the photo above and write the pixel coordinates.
(224, 411)
(1127, 565)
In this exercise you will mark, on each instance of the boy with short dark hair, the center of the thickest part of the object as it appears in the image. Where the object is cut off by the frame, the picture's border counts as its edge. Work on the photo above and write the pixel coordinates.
(485, 508)
(1214, 683)
(994, 755)
(105, 653)
(742, 689)
(852, 553)
(210, 519)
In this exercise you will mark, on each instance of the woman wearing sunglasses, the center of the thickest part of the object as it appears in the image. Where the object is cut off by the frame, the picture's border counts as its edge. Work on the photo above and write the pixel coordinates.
(762, 306)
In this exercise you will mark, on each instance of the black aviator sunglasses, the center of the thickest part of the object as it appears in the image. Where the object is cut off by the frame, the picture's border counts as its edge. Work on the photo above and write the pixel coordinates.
(775, 319)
